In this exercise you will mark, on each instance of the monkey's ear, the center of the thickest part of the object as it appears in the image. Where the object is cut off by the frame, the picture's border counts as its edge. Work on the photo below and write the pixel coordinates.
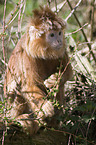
(32, 29)
(34, 33)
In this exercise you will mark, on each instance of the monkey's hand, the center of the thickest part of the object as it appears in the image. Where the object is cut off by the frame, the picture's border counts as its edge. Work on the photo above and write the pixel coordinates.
(47, 110)
(51, 81)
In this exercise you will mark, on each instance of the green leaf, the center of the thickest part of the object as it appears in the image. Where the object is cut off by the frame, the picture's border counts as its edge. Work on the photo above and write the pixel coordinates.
(87, 118)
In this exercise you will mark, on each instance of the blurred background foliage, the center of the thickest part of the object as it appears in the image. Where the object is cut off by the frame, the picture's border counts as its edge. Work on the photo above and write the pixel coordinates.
(79, 119)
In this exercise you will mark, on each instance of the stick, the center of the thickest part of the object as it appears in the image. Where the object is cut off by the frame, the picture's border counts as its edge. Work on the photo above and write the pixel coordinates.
(88, 44)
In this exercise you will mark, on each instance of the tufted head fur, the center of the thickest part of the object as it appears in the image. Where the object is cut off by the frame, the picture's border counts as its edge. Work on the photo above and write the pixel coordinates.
(43, 21)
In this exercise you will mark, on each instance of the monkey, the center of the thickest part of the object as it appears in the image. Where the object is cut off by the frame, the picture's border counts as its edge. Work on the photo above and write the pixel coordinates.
(35, 58)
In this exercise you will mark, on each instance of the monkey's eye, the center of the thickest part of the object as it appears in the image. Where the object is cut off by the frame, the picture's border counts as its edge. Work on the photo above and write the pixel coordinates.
(60, 33)
(52, 34)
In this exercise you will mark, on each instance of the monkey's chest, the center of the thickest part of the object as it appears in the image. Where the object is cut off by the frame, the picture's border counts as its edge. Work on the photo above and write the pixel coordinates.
(47, 67)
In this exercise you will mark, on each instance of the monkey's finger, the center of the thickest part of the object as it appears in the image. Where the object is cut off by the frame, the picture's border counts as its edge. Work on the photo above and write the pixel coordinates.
(48, 109)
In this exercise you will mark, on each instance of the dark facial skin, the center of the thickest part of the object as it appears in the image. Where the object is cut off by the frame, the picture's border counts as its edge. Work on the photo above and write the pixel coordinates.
(55, 39)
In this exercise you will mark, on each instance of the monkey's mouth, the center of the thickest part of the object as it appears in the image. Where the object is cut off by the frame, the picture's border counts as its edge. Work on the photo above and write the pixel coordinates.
(57, 47)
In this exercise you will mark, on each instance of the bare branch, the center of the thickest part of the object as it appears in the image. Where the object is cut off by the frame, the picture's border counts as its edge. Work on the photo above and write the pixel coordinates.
(4, 31)
(3, 138)
(77, 30)
(56, 5)
(88, 44)
(3, 61)
(19, 18)
(48, 2)
(92, 18)
(73, 10)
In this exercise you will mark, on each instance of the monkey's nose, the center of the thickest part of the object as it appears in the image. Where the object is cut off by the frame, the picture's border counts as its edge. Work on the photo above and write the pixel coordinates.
(59, 41)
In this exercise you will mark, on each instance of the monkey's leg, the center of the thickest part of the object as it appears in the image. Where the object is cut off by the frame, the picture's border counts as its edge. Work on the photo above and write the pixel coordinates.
(16, 105)
(28, 124)
(39, 104)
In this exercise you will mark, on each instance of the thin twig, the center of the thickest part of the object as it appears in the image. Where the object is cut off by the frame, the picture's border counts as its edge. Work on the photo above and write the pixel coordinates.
(69, 139)
(88, 44)
(11, 18)
(3, 138)
(59, 7)
(4, 31)
(19, 21)
(76, 30)
(24, 5)
(57, 83)
(19, 18)
(92, 19)
(48, 2)
(90, 122)
(70, 134)
(73, 11)
(56, 5)
(3, 61)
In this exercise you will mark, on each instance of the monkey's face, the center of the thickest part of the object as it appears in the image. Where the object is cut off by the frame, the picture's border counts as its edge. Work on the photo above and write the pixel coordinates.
(45, 44)
(54, 38)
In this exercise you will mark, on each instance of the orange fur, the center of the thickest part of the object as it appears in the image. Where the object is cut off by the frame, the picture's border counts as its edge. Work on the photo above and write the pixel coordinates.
(31, 63)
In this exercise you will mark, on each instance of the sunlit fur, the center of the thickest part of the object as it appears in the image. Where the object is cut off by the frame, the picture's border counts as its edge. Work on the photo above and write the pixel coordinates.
(44, 20)
(31, 63)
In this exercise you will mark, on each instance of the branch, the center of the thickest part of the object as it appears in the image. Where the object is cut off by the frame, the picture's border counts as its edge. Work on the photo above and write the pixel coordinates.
(5, 130)
(88, 44)
(76, 30)
(92, 18)
(19, 18)
(73, 10)
(48, 2)
(56, 5)
(4, 31)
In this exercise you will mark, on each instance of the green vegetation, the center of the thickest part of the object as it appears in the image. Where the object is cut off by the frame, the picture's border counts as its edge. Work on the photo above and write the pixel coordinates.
(79, 120)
